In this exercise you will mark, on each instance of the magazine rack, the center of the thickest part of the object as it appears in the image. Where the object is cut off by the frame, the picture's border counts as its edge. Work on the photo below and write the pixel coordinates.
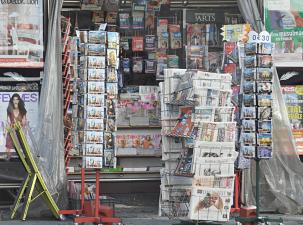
(34, 180)
(93, 213)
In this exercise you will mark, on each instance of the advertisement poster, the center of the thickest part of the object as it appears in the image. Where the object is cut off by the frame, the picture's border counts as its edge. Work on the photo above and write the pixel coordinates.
(284, 20)
(17, 103)
(21, 33)
(293, 97)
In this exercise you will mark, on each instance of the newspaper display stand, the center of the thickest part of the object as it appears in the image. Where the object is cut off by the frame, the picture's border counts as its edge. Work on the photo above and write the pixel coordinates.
(198, 135)
(34, 181)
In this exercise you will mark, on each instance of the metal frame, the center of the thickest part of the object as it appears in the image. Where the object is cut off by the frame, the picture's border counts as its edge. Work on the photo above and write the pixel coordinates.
(34, 179)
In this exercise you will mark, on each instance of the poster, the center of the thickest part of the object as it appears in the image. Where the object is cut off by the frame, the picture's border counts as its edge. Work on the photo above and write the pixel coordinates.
(284, 20)
(293, 97)
(21, 33)
(27, 100)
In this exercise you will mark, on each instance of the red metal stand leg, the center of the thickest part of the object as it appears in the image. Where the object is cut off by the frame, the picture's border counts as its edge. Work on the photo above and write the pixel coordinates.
(82, 188)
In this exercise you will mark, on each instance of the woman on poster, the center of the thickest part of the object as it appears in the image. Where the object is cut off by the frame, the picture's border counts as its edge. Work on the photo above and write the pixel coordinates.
(16, 112)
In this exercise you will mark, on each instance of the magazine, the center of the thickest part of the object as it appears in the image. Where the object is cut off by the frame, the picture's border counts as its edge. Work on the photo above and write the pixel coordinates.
(248, 151)
(96, 62)
(93, 149)
(137, 44)
(94, 124)
(94, 112)
(217, 132)
(97, 37)
(149, 20)
(126, 65)
(138, 20)
(96, 74)
(230, 52)
(173, 61)
(82, 34)
(215, 114)
(194, 34)
(232, 69)
(109, 140)
(137, 64)
(175, 40)
(184, 125)
(162, 25)
(112, 90)
(150, 42)
(95, 100)
(93, 137)
(112, 57)
(150, 66)
(93, 162)
(111, 17)
(264, 152)
(96, 49)
(174, 28)
(211, 97)
(112, 75)
(95, 87)
(214, 150)
(163, 40)
(113, 40)
(213, 182)
(124, 21)
(98, 17)
(139, 141)
(161, 66)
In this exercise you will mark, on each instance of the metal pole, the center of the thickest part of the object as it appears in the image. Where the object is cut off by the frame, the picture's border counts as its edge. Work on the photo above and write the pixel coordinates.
(258, 187)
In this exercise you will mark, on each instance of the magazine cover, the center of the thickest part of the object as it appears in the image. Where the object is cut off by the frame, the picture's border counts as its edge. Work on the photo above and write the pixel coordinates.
(184, 125)
(111, 107)
(175, 40)
(173, 61)
(264, 74)
(91, 4)
(264, 152)
(230, 52)
(194, 34)
(93, 149)
(109, 158)
(231, 69)
(95, 100)
(124, 21)
(137, 44)
(112, 90)
(98, 17)
(174, 28)
(93, 162)
(94, 112)
(111, 17)
(94, 124)
(126, 65)
(150, 42)
(149, 20)
(137, 64)
(248, 125)
(161, 66)
(163, 40)
(195, 62)
(264, 113)
(95, 87)
(96, 74)
(162, 25)
(93, 137)
(213, 182)
(150, 66)
(124, 44)
(97, 37)
(112, 57)
(22, 34)
(217, 132)
(109, 140)
(111, 125)
(96, 62)
(96, 49)
(113, 40)
(248, 151)
(139, 141)
(83, 36)
(264, 139)
(138, 20)
(211, 97)
(112, 75)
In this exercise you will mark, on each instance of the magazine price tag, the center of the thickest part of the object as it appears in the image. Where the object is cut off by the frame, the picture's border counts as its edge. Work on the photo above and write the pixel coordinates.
(263, 37)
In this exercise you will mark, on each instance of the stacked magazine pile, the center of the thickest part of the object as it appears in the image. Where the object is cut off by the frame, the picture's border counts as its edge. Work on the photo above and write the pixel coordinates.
(198, 145)
(98, 90)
